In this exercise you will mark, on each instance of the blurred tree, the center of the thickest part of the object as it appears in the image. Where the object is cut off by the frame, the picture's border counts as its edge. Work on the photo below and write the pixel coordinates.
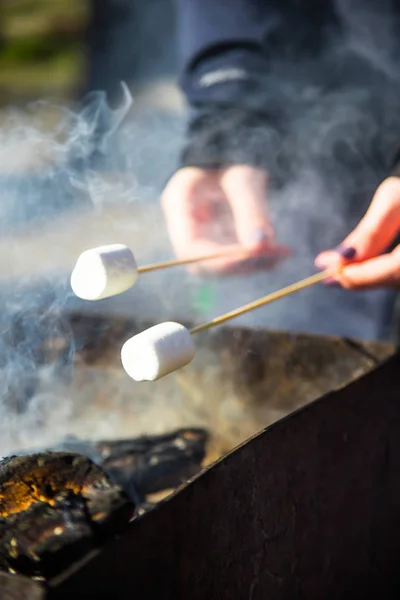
(41, 48)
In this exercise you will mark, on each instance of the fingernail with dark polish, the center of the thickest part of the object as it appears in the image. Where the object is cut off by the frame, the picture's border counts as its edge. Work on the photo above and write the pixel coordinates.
(346, 252)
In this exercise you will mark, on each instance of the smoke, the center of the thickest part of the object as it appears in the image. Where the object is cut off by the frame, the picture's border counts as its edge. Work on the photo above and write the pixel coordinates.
(372, 29)
(70, 177)
(51, 159)
(343, 127)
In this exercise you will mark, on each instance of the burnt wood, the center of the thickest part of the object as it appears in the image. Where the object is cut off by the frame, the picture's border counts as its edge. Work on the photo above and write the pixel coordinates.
(55, 508)
(144, 465)
(148, 464)
(307, 509)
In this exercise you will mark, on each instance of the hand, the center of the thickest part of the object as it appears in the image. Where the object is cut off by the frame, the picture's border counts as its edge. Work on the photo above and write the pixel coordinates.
(361, 254)
(221, 211)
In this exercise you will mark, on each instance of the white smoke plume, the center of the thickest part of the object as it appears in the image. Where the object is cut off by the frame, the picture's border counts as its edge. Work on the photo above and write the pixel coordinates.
(57, 162)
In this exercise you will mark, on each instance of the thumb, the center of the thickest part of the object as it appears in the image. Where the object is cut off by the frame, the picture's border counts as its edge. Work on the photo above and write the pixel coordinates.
(245, 189)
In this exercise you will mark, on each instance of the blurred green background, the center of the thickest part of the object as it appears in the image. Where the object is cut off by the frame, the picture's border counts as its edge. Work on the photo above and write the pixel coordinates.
(64, 48)
(42, 48)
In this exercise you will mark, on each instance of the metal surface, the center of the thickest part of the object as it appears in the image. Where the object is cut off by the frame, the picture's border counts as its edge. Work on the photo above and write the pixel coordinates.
(307, 509)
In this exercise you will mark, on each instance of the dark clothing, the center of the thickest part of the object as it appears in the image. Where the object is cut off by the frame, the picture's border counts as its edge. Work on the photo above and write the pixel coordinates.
(246, 67)
(310, 91)
(244, 34)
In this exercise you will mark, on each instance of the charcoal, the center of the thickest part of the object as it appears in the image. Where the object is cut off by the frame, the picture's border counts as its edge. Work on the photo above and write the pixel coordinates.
(55, 507)
(148, 464)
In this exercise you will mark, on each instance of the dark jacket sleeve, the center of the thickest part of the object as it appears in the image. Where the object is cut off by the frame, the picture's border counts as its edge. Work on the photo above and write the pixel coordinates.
(223, 64)
(235, 115)
(220, 42)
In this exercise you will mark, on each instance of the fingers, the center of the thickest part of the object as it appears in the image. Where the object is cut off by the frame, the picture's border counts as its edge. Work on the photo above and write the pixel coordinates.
(381, 271)
(378, 228)
(225, 257)
(209, 213)
(246, 188)
(186, 204)
(375, 232)
(180, 211)
(233, 260)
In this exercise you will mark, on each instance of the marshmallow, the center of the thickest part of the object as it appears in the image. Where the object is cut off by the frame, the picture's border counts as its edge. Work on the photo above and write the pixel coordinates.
(157, 351)
(103, 272)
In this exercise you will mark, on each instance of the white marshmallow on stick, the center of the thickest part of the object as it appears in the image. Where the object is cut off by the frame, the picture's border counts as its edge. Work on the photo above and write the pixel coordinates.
(167, 347)
(157, 351)
(103, 272)
(111, 270)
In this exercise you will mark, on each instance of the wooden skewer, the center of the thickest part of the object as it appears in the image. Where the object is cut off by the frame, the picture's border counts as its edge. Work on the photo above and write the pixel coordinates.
(286, 291)
(180, 261)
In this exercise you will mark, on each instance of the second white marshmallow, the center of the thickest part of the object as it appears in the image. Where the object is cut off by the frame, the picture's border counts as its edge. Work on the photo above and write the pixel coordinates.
(157, 351)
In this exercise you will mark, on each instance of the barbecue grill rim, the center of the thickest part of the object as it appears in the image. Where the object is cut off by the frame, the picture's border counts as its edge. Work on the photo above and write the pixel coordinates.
(395, 358)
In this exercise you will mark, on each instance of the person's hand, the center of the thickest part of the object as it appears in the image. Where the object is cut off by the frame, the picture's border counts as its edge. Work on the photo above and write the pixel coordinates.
(361, 257)
(221, 212)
